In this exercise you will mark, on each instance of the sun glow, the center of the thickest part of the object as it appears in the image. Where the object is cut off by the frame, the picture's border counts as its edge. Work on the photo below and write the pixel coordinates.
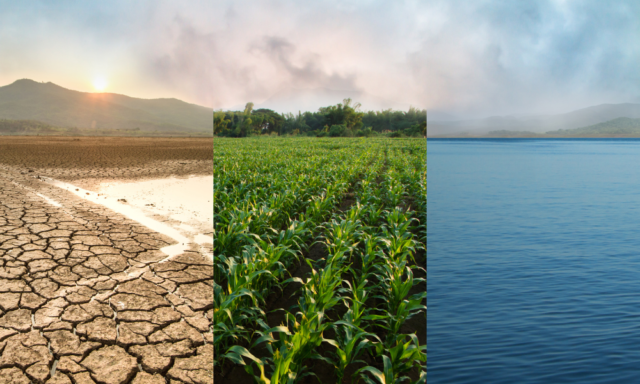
(100, 84)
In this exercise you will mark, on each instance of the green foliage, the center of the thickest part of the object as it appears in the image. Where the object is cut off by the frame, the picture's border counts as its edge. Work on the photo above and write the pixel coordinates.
(337, 130)
(340, 120)
(247, 123)
(273, 201)
(393, 121)
(366, 132)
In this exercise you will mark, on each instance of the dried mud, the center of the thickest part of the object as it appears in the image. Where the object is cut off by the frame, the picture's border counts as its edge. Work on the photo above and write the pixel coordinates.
(83, 296)
(91, 160)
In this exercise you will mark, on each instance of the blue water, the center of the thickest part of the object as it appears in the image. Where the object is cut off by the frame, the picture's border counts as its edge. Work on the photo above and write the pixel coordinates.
(533, 261)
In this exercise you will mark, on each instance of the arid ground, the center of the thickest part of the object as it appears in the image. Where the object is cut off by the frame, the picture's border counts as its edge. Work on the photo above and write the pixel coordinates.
(86, 294)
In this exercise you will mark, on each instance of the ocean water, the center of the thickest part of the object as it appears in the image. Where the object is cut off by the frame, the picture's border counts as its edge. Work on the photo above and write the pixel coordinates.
(533, 261)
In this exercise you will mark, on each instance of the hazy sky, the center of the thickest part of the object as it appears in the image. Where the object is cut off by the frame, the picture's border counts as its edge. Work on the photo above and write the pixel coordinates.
(465, 58)
(287, 54)
(141, 48)
(304, 54)
(482, 58)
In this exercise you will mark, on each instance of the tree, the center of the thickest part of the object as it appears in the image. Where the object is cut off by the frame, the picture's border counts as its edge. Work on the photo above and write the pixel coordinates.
(337, 130)
(220, 122)
(271, 121)
(352, 118)
(346, 117)
(248, 108)
(343, 114)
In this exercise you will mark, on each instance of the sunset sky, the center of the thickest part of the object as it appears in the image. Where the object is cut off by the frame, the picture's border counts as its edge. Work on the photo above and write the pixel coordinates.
(288, 55)
(147, 49)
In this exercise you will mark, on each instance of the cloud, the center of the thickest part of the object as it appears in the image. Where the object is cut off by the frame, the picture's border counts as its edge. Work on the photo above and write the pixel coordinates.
(223, 53)
(187, 64)
(280, 53)
(466, 59)
(278, 50)
(494, 57)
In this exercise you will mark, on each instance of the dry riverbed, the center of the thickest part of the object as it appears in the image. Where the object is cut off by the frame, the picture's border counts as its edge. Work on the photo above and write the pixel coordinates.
(90, 293)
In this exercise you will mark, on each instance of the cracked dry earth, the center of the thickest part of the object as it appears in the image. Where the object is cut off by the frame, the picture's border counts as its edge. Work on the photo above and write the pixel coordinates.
(84, 298)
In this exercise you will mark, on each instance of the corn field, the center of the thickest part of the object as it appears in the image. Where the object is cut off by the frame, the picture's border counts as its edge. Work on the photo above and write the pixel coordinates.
(319, 261)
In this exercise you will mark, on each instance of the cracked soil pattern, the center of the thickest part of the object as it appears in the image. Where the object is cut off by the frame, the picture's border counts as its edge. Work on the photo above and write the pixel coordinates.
(83, 297)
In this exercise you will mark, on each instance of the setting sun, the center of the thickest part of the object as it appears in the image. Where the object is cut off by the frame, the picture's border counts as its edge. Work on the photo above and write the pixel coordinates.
(100, 84)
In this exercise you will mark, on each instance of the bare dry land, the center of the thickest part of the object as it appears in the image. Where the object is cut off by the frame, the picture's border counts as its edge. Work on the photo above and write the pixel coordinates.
(121, 158)
(86, 294)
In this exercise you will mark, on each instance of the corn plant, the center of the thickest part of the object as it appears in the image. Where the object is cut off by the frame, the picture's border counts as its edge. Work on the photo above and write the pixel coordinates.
(230, 315)
(396, 283)
(355, 302)
(270, 202)
(293, 348)
(406, 355)
(350, 343)
(340, 235)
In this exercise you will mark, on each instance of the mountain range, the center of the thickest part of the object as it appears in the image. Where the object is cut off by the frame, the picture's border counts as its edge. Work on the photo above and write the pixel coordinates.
(69, 110)
(581, 118)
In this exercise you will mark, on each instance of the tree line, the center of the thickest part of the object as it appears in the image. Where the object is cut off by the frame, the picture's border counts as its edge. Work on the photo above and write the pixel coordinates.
(342, 120)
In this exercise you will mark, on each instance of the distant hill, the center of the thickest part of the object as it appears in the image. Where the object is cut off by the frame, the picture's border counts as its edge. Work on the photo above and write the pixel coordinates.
(619, 126)
(55, 106)
(537, 124)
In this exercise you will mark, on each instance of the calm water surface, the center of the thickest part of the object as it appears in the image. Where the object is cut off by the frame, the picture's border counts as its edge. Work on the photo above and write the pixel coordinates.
(533, 261)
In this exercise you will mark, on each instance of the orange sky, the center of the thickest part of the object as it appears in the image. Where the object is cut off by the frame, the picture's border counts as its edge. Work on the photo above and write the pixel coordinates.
(144, 49)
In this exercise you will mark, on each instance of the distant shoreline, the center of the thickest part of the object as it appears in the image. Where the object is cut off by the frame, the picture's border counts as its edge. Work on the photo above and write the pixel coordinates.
(537, 137)
(620, 127)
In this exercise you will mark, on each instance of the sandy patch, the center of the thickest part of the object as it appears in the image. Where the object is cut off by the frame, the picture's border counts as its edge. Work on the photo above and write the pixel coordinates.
(188, 201)
(181, 208)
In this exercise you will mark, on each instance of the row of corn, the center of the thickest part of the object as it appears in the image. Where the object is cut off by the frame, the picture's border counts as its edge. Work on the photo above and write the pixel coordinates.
(359, 293)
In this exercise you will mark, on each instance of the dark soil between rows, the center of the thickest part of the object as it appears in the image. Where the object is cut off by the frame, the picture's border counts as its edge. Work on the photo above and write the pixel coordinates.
(324, 372)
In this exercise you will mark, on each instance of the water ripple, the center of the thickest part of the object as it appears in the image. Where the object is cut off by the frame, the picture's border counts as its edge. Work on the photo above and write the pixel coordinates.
(533, 267)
